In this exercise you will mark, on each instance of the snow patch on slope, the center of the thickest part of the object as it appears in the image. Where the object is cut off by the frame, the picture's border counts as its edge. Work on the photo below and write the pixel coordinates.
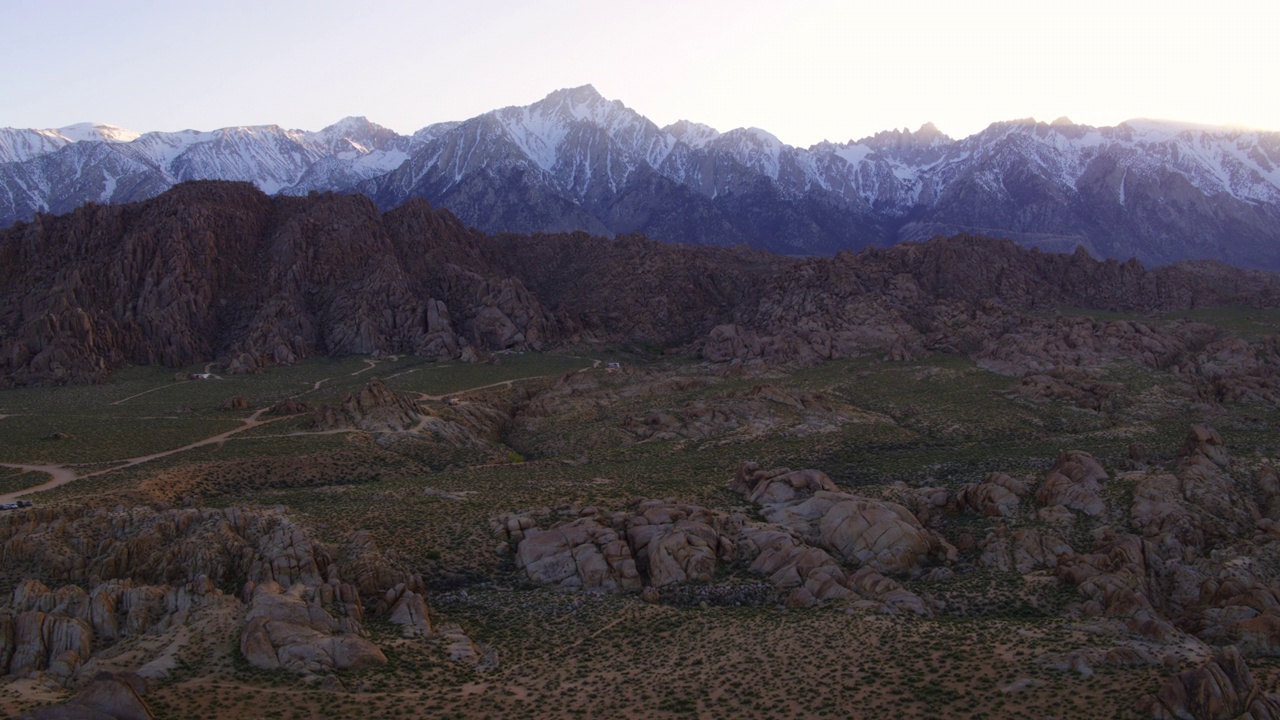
(753, 147)
(17, 145)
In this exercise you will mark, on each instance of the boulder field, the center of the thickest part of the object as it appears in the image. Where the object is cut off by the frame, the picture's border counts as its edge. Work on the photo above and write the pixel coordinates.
(1188, 559)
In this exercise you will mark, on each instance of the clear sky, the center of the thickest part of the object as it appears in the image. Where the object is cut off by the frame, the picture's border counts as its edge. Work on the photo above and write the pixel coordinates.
(806, 70)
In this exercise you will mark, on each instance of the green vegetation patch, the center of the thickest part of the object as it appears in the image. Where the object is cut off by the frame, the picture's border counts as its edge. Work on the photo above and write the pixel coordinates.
(1248, 323)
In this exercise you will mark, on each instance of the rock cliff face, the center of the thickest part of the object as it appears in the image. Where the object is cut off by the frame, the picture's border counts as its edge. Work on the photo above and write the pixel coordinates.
(219, 271)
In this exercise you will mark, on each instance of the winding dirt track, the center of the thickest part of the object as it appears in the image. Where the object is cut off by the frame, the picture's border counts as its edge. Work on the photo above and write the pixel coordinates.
(60, 475)
(424, 396)
(371, 364)
(122, 401)
(437, 398)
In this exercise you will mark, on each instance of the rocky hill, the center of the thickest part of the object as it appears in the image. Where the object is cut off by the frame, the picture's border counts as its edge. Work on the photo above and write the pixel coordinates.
(217, 271)
(1158, 191)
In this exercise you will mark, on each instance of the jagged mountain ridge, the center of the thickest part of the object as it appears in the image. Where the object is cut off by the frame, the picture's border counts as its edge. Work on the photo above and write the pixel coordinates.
(219, 271)
(59, 170)
(576, 161)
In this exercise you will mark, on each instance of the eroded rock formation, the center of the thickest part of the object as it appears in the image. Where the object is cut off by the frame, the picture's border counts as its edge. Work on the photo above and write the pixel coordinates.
(298, 603)
(217, 271)
(1221, 689)
(820, 544)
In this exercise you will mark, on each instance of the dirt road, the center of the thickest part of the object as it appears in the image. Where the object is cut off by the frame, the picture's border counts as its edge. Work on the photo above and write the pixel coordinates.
(58, 475)
(61, 475)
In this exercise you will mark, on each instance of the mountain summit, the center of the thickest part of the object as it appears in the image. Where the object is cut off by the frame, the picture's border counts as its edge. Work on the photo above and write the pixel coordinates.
(575, 160)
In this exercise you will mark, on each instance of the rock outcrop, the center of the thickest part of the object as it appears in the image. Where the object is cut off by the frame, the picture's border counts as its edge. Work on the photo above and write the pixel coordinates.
(85, 293)
(374, 408)
(338, 277)
(149, 571)
(1222, 689)
(582, 554)
(820, 544)
(998, 495)
(861, 531)
(1024, 550)
(1074, 482)
(235, 402)
(55, 632)
(292, 630)
(775, 410)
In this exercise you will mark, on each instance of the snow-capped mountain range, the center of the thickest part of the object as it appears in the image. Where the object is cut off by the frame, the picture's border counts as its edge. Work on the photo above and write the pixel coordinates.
(574, 160)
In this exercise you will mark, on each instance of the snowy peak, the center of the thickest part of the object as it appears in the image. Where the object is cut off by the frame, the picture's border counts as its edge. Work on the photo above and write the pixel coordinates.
(577, 101)
(931, 132)
(17, 145)
(540, 130)
(352, 136)
(1216, 160)
(351, 125)
(753, 137)
(575, 159)
(433, 131)
(695, 135)
(928, 136)
(97, 132)
(250, 131)
(1153, 128)
(755, 148)
(580, 103)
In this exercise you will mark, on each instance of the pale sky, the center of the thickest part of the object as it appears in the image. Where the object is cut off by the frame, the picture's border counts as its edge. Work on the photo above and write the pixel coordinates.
(805, 70)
